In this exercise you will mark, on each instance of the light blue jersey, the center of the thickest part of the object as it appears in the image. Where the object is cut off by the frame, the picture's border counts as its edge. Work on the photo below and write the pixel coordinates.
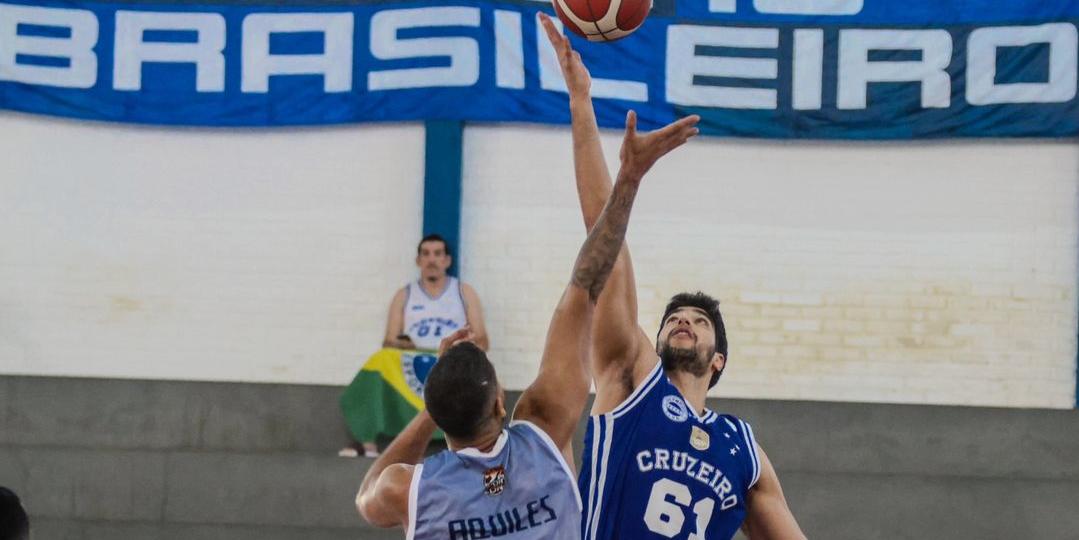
(522, 489)
(655, 469)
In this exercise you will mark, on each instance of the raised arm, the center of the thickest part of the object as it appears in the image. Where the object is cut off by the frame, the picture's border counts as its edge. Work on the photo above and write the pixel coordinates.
(619, 346)
(557, 397)
(383, 497)
(616, 338)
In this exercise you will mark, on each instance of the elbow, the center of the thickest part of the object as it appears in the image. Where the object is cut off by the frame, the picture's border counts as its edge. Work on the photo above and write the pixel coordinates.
(361, 507)
(365, 508)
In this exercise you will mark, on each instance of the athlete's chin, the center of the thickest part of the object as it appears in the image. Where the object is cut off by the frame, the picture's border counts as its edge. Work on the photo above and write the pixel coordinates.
(680, 352)
(682, 359)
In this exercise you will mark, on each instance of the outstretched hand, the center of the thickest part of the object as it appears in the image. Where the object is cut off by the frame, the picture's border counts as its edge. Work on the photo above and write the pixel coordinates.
(578, 80)
(639, 152)
(460, 336)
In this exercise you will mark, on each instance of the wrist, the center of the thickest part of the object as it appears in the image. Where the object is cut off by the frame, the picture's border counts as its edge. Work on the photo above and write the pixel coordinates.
(578, 100)
(628, 174)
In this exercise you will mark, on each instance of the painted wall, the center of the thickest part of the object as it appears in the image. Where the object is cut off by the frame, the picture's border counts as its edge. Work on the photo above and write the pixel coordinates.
(938, 272)
(208, 255)
(927, 273)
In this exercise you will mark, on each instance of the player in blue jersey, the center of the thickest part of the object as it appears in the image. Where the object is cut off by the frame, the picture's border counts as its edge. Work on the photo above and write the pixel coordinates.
(657, 463)
(514, 481)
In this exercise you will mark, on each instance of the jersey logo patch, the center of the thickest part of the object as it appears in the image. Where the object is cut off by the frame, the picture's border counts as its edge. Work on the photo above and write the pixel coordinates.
(699, 439)
(675, 408)
(494, 480)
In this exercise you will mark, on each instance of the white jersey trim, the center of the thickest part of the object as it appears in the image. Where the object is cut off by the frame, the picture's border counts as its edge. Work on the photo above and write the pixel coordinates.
(754, 459)
(450, 282)
(413, 501)
(734, 428)
(558, 454)
(640, 392)
(596, 435)
(601, 484)
(494, 451)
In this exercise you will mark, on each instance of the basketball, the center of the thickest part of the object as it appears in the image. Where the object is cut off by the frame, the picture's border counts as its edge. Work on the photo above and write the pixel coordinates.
(602, 20)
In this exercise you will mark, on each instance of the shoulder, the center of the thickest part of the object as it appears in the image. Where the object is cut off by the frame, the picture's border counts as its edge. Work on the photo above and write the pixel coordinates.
(466, 289)
(533, 437)
(744, 432)
(386, 504)
(394, 483)
(527, 429)
(733, 424)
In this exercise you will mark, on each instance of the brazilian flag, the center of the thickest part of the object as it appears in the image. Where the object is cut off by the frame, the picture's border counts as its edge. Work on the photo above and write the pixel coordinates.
(387, 393)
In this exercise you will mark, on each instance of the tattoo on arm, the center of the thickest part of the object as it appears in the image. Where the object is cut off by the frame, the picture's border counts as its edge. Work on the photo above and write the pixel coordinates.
(600, 250)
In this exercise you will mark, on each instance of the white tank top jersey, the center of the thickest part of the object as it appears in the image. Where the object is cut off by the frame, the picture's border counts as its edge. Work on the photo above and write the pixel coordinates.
(428, 320)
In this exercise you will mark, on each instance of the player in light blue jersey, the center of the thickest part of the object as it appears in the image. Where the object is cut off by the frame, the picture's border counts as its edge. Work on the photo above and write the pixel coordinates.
(517, 481)
(657, 463)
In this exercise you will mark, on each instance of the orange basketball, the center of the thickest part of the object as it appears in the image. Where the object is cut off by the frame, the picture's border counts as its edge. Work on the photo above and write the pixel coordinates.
(602, 20)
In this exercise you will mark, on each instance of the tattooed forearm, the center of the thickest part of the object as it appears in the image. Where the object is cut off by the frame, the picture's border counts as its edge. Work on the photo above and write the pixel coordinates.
(600, 250)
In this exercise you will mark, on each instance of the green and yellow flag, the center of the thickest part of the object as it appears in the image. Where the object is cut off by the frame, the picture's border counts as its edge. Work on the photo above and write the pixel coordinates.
(387, 393)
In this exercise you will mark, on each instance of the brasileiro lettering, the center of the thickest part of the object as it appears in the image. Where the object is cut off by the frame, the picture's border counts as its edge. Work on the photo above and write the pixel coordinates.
(392, 38)
(662, 459)
(533, 514)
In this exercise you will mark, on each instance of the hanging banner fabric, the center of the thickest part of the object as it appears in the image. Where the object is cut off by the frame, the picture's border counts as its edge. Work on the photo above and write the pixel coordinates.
(823, 69)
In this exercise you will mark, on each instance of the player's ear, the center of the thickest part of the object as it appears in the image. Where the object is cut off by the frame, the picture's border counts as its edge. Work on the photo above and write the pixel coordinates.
(719, 362)
(500, 403)
(449, 261)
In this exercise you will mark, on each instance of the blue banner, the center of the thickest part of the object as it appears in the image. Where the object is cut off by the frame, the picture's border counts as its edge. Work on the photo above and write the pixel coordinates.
(826, 69)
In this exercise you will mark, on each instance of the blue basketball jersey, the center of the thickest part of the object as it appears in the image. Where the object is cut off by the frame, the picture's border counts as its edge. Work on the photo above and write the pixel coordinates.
(653, 468)
(522, 489)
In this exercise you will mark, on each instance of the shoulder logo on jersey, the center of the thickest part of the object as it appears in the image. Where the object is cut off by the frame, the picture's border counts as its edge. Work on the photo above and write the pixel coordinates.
(418, 307)
(675, 408)
(699, 439)
(494, 480)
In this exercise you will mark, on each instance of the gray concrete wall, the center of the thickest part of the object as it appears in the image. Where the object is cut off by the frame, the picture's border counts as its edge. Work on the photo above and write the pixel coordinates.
(155, 460)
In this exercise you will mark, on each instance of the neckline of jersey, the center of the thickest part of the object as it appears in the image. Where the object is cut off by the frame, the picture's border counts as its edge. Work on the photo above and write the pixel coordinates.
(700, 418)
(494, 451)
(449, 281)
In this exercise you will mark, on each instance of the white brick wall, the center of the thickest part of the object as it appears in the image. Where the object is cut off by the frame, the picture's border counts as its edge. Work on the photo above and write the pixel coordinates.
(931, 272)
(937, 272)
(194, 254)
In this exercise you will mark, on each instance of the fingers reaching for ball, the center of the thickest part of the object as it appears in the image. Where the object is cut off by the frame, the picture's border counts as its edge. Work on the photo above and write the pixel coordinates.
(578, 80)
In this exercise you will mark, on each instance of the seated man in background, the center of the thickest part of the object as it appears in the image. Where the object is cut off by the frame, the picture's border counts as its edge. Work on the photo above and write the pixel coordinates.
(386, 393)
(434, 306)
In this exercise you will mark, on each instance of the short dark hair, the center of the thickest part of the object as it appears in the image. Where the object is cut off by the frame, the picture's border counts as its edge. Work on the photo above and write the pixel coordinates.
(433, 238)
(710, 306)
(14, 525)
(460, 390)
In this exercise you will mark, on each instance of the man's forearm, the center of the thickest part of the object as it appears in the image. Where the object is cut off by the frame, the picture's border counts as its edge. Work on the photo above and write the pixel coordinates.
(408, 447)
(600, 250)
(593, 178)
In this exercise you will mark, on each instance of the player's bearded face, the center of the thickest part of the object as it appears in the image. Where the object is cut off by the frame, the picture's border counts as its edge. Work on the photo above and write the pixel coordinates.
(686, 342)
(696, 361)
